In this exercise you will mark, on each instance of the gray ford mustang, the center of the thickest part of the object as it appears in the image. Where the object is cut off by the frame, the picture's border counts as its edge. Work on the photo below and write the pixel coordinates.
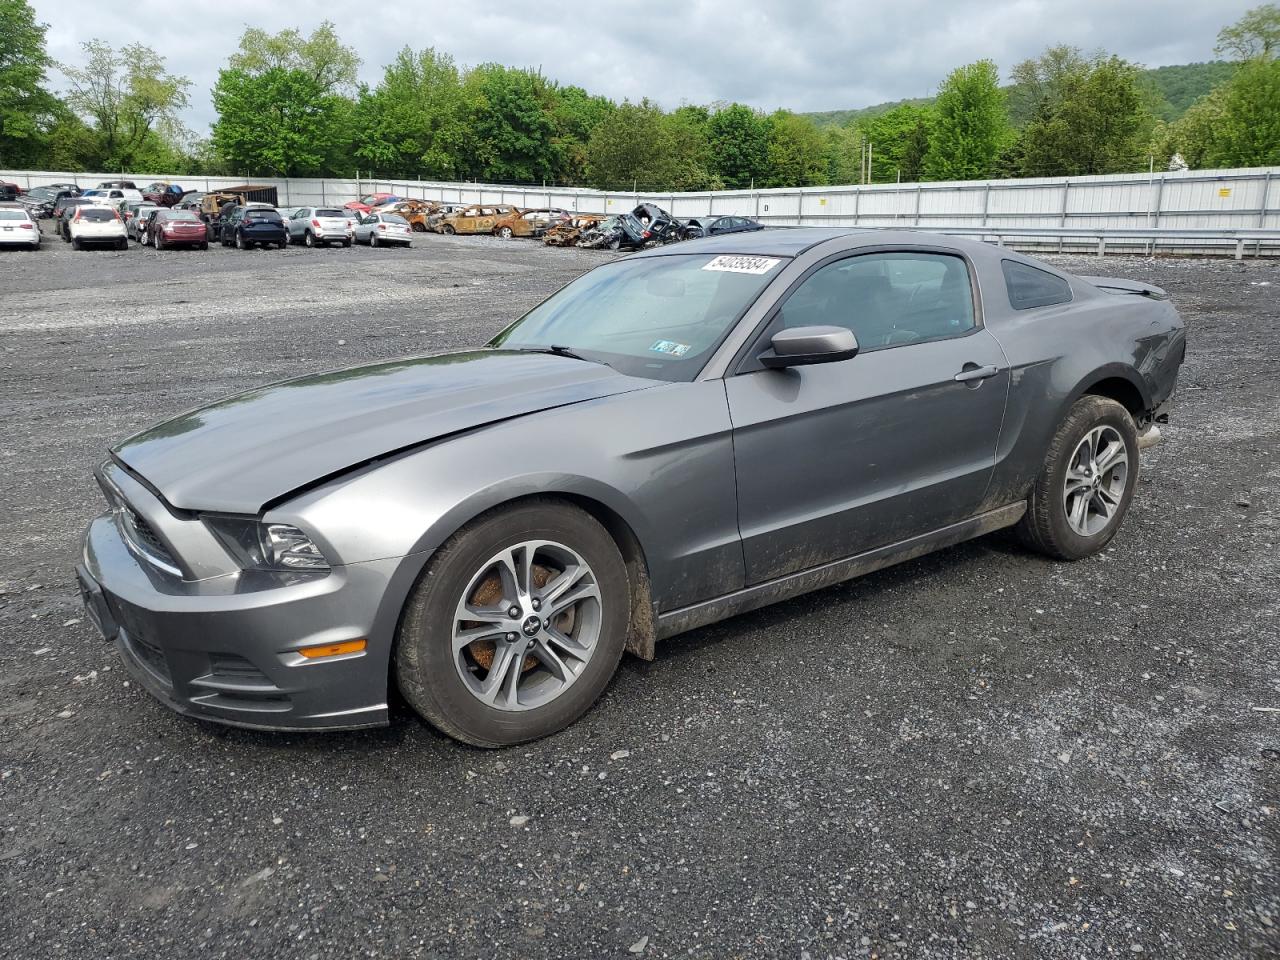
(671, 439)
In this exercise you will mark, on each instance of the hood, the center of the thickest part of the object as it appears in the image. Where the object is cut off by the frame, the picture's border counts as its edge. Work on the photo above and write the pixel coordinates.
(243, 452)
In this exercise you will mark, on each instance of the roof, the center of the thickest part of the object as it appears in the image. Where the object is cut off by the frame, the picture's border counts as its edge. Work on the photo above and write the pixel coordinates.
(765, 243)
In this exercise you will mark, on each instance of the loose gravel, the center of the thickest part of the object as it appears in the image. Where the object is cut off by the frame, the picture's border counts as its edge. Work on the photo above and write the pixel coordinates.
(979, 753)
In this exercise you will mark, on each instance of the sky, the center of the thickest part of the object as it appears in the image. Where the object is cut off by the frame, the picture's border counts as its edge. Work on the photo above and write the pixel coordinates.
(803, 55)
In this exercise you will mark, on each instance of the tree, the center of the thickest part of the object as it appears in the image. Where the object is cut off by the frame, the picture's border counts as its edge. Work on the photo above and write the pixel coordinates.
(129, 98)
(574, 114)
(330, 66)
(899, 142)
(841, 152)
(412, 124)
(686, 139)
(1256, 34)
(796, 152)
(739, 141)
(27, 110)
(509, 129)
(281, 108)
(1249, 132)
(1043, 79)
(1092, 117)
(972, 124)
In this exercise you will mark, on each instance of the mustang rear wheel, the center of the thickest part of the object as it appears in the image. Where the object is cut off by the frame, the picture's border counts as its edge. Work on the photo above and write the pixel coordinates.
(516, 625)
(1084, 489)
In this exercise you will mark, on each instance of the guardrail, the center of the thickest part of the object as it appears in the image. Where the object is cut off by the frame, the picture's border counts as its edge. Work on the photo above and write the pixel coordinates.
(1223, 236)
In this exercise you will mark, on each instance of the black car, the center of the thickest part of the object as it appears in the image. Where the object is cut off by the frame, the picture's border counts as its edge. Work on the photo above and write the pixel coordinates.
(64, 209)
(245, 227)
(41, 201)
(715, 225)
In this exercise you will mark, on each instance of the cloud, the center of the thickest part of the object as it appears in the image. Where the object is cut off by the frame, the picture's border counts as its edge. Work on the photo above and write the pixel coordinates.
(803, 54)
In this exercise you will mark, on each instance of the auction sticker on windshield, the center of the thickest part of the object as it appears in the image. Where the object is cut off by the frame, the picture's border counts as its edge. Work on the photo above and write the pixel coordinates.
(731, 264)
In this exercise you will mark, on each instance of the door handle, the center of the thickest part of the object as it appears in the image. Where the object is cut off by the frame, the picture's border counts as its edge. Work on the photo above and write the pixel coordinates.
(972, 372)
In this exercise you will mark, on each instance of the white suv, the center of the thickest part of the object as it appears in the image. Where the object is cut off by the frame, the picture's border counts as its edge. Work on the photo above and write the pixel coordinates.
(312, 225)
(97, 224)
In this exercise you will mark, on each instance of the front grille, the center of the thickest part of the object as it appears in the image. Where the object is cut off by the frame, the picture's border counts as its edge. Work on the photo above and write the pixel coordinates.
(142, 537)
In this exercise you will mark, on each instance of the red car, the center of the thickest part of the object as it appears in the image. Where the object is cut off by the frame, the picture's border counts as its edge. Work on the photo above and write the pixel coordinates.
(174, 228)
(10, 191)
(369, 201)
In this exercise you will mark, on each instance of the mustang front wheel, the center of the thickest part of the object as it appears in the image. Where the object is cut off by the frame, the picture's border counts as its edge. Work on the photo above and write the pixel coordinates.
(1084, 489)
(516, 626)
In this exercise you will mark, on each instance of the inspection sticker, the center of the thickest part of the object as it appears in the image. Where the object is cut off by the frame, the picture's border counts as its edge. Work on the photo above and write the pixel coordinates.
(670, 347)
(756, 265)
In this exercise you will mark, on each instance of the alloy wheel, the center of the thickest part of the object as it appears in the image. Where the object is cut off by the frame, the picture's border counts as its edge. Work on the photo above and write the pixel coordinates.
(526, 625)
(1094, 486)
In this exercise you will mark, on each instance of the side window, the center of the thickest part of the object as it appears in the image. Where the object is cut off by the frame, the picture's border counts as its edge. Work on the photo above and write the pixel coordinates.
(1030, 287)
(886, 299)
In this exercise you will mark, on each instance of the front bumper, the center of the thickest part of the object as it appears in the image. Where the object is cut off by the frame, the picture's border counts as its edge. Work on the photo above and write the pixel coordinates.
(222, 650)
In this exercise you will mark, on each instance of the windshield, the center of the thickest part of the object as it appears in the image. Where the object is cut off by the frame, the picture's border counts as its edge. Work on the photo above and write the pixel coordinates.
(657, 317)
(13, 215)
(98, 214)
(185, 216)
(392, 218)
(330, 213)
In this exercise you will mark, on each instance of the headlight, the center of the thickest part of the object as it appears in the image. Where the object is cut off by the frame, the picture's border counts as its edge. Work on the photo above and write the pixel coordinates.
(267, 546)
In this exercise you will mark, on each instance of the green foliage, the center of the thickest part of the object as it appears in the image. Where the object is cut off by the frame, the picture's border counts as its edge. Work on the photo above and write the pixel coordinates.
(796, 152)
(972, 125)
(1174, 89)
(129, 99)
(413, 123)
(739, 140)
(280, 107)
(841, 152)
(509, 130)
(27, 110)
(899, 142)
(1255, 35)
(1089, 116)
(638, 146)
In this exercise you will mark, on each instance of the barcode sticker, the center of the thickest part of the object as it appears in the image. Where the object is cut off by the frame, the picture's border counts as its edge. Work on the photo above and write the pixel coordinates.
(733, 264)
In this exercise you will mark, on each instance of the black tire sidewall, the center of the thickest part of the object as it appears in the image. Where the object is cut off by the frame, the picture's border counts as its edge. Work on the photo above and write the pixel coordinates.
(1080, 421)
(429, 679)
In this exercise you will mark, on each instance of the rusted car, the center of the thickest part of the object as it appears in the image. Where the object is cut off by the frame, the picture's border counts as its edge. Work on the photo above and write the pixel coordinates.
(371, 200)
(567, 232)
(415, 212)
(477, 218)
(533, 222)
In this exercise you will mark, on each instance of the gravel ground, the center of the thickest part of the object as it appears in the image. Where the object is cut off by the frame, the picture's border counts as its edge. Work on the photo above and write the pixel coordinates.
(976, 754)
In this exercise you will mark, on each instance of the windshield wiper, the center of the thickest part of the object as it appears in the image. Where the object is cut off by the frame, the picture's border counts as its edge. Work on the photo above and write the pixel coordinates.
(558, 350)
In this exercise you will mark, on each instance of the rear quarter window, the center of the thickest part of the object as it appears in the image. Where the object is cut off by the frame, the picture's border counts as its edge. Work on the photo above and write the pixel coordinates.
(1030, 287)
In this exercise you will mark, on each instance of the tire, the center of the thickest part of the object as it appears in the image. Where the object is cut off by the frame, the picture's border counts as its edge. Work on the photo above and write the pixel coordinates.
(614, 244)
(373, 239)
(346, 243)
(75, 244)
(204, 246)
(448, 230)
(427, 671)
(240, 242)
(122, 244)
(308, 240)
(160, 245)
(418, 228)
(504, 233)
(1046, 527)
(282, 244)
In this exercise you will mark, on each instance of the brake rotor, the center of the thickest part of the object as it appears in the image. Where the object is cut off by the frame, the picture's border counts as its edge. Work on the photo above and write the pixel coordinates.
(488, 593)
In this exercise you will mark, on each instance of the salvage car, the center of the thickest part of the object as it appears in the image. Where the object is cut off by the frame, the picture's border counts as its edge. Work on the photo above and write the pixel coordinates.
(247, 226)
(477, 218)
(18, 229)
(96, 224)
(528, 222)
(381, 229)
(369, 201)
(176, 228)
(713, 226)
(673, 438)
(136, 216)
(566, 233)
(319, 225)
(41, 202)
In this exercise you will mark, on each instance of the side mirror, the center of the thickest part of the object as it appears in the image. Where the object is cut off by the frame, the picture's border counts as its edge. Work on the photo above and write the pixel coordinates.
(801, 346)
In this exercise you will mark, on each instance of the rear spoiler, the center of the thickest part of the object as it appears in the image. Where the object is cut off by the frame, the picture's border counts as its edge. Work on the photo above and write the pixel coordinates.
(1118, 286)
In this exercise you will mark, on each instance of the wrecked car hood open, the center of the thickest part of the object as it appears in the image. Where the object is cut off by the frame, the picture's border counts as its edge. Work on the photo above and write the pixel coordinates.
(241, 453)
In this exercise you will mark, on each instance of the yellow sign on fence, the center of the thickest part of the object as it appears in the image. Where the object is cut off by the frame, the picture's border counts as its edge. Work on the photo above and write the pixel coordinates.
(1224, 191)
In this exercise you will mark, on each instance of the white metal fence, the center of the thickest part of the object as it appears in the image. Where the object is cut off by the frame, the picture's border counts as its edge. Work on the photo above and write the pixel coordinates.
(1227, 200)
